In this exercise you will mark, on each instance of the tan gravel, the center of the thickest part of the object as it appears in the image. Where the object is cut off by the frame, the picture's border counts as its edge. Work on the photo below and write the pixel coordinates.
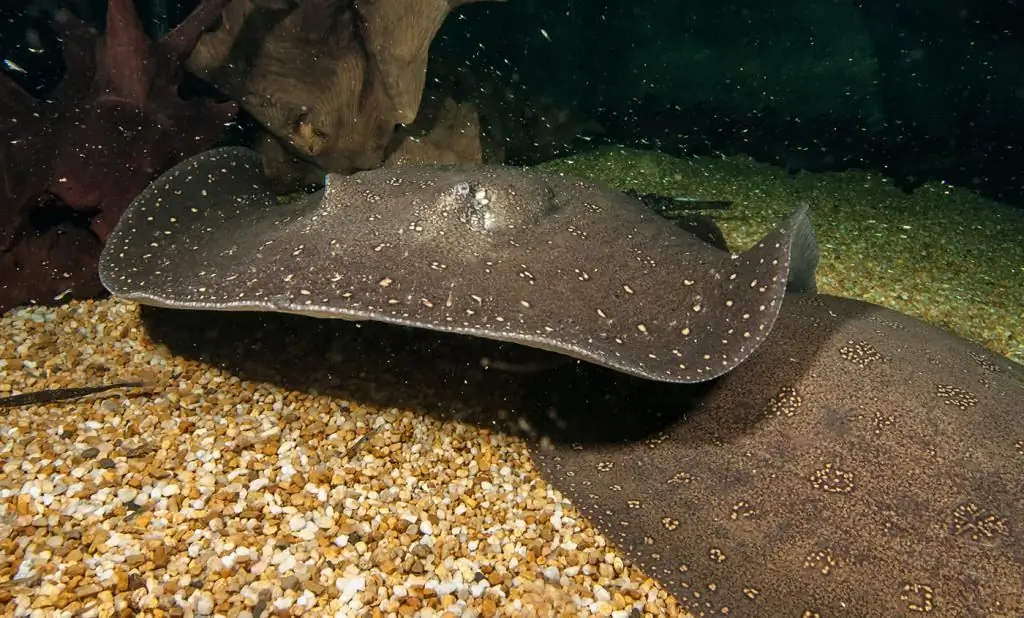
(214, 495)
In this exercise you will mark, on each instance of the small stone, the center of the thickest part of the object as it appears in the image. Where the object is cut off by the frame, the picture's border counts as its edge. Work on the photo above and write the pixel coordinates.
(204, 604)
(297, 522)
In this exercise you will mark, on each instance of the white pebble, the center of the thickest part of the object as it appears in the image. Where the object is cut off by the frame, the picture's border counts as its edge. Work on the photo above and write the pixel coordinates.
(204, 604)
(477, 589)
(349, 586)
(296, 522)
(309, 532)
(307, 599)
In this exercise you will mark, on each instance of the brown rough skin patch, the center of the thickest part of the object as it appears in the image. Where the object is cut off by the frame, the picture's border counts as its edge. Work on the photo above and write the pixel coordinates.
(860, 463)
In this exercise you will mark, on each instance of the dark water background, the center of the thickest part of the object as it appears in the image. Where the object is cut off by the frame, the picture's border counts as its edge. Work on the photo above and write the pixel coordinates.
(920, 89)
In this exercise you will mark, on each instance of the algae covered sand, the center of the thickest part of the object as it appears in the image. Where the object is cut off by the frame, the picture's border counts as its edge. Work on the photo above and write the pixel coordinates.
(942, 253)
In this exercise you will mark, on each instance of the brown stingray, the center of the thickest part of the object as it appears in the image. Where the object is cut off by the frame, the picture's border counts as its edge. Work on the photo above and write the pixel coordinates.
(542, 260)
(859, 464)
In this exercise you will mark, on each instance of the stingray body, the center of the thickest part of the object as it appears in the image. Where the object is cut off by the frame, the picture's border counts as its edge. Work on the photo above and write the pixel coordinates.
(860, 463)
(498, 252)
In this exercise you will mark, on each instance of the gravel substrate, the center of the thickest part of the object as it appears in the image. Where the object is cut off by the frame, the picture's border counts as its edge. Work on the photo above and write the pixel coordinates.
(215, 495)
(284, 466)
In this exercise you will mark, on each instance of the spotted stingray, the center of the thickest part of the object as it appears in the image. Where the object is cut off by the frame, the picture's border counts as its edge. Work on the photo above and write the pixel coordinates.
(497, 252)
(859, 464)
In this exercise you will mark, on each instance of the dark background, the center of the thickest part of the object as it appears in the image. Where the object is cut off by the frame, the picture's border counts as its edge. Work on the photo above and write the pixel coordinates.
(918, 89)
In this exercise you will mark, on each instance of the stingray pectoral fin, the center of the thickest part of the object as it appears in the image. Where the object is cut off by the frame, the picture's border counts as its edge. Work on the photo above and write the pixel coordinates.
(735, 310)
(182, 210)
(803, 255)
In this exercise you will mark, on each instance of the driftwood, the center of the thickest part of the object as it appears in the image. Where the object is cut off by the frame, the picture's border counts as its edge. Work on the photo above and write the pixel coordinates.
(444, 132)
(329, 79)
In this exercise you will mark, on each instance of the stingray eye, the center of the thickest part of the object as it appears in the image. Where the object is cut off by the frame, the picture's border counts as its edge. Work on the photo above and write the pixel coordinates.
(463, 189)
(476, 211)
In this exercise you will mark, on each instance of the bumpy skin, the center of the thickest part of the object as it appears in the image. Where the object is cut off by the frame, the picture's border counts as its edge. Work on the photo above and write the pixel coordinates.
(112, 125)
(547, 261)
(860, 463)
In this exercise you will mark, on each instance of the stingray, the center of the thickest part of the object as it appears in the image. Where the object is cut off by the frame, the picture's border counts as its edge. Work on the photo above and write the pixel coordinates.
(860, 463)
(497, 252)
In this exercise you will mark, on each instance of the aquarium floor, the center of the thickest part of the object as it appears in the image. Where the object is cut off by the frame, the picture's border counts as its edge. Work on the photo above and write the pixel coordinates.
(215, 495)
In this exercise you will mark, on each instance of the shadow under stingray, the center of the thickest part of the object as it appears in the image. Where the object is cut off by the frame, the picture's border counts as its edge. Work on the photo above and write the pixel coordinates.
(524, 391)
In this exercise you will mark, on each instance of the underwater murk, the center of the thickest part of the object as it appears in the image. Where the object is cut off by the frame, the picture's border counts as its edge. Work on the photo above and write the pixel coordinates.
(507, 308)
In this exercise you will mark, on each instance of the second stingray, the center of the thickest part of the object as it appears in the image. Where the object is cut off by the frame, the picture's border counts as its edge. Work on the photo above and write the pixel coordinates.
(542, 260)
